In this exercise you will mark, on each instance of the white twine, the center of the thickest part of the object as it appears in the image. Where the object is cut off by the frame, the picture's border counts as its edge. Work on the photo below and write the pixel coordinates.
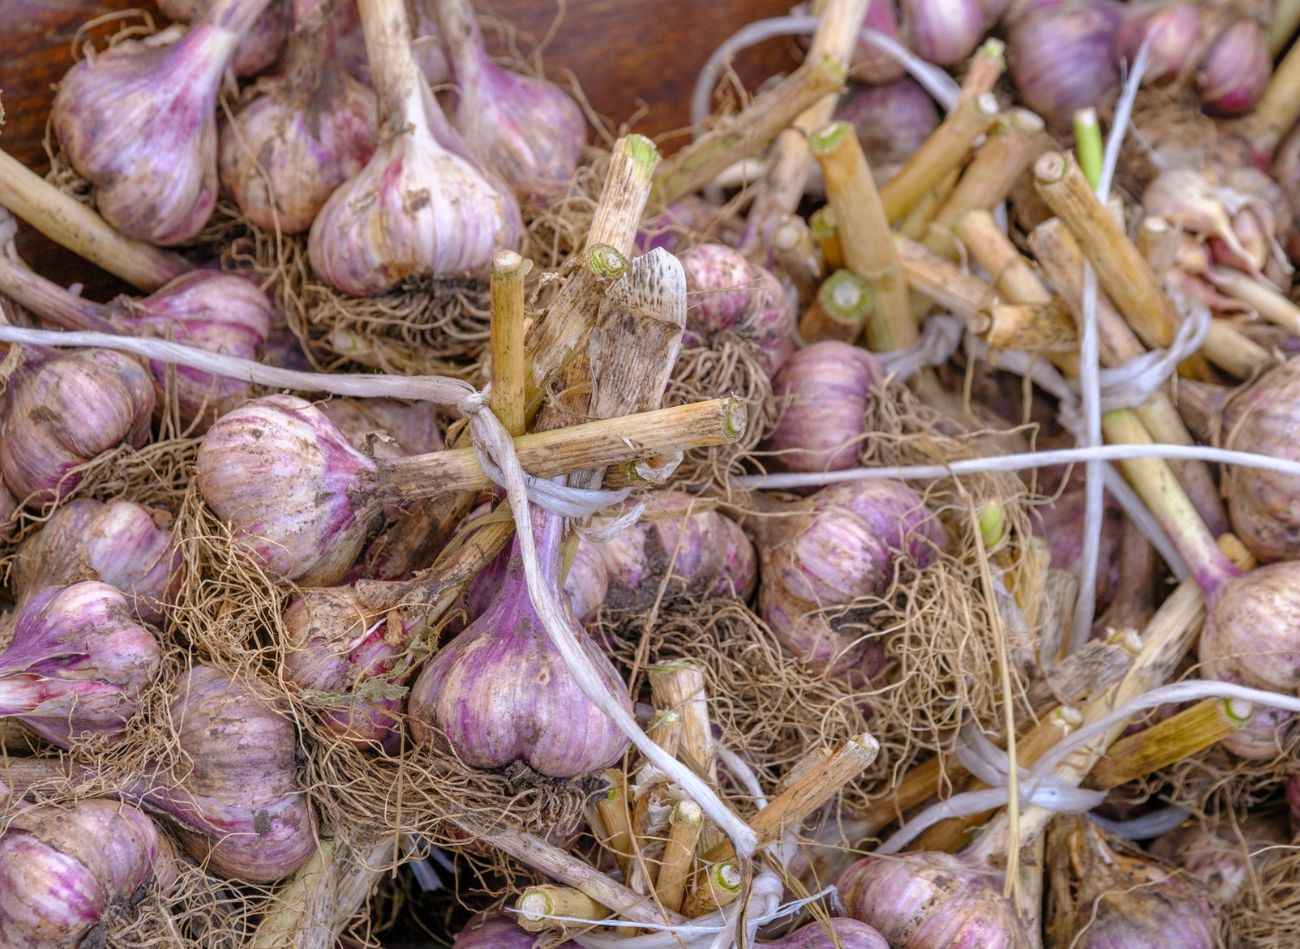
(940, 337)
(1039, 785)
(1144, 827)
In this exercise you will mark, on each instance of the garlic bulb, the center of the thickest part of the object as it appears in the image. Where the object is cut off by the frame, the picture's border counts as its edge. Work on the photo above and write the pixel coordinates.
(943, 32)
(872, 65)
(1173, 31)
(64, 867)
(1059, 56)
(231, 791)
(1250, 634)
(822, 393)
(1222, 855)
(311, 129)
(283, 475)
(499, 931)
(139, 122)
(417, 208)
(526, 130)
(1236, 69)
(386, 428)
(62, 410)
(77, 663)
(119, 543)
(846, 541)
(501, 693)
(851, 934)
(730, 294)
(259, 48)
(1262, 503)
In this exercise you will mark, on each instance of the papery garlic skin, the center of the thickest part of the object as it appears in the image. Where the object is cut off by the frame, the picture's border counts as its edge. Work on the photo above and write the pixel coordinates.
(119, 543)
(283, 476)
(822, 393)
(728, 293)
(500, 931)
(386, 428)
(259, 48)
(233, 795)
(872, 65)
(851, 934)
(77, 664)
(1058, 55)
(931, 901)
(64, 409)
(1173, 33)
(1262, 504)
(1236, 69)
(64, 867)
(943, 32)
(501, 693)
(1250, 632)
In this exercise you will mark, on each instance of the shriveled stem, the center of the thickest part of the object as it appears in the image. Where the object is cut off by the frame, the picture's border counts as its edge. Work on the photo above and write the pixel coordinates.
(679, 852)
(679, 687)
(864, 235)
(509, 365)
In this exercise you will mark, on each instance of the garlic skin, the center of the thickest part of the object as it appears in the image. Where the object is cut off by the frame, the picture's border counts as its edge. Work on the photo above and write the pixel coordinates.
(847, 540)
(587, 582)
(851, 933)
(1059, 56)
(232, 793)
(334, 644)
(730, 294)
(153, 164)
(501, 693)
(311, 129)
(64, 409)
(62, 867)
(943, 32)
(283, 476)
(528, 131)
(869, 64)
(119, 543)
(1261, 503)
(500, 931)
(386, 428)
(77, 663)
(259, 48)
(1174, 32)
(823, 392)
(8, 511)
(931, 901)
(1236, 69)
(1250, 634)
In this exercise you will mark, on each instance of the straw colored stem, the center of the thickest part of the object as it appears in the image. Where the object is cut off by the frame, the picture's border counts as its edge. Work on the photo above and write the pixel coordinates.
(864, 235)
(934, 277)
(1177, 737)
(839, 311)
(796, 255)
(825, 232)
(593, 444)
(748, 132)
(1158, 243)
(507, 399)
(1264, 300)
(985, 68)
(70, 223)
(1233, 352)
(615, 823)
(916, 224)
(1277, 110)
(1282, 25)
(1032, 327)
(665, 730)
(679, 854)
(679, 687)
(716, 886)
(537, 904)
(943, 150)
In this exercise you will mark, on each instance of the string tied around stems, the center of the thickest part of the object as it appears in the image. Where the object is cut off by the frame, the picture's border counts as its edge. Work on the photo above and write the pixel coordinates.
(939, 339)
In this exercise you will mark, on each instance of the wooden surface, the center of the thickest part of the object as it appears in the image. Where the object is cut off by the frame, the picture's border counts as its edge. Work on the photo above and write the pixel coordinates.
(627, 54)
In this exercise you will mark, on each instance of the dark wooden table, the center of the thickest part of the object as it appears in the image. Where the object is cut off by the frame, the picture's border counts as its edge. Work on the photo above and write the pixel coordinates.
(628, 55)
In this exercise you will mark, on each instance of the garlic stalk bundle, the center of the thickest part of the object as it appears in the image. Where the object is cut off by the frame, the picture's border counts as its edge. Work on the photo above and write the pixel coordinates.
(1122, 899)
(851, 934)
(931, 901)
(333, 648)
(119, 543)
(63, 409)
(696, 552)
(528, 131)
(728, 294)
(822, 393)
(260, 47)
(943, 32)
(311, 129)
(846, 541)
(139, 122)
(892, 120)
(232, 791)
(64, 867)
(77, 663)
(501, 693)
(1059, 55)
(219, 312)
(417, 208)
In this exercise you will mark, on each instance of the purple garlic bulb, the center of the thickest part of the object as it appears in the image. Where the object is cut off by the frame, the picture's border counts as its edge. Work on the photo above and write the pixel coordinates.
(311, 129)
(259, 48)
(943, 32)
(501, 693)
(1059, 56)
(1235, 69)
(64, 409)
(8, 511)
(1221, 855)
(1122, 899)
(931, 901)
(674, 227)
(851, 933)
(119, 543)
(500, 931)
(846, 541)
(386, 428)
(65, 867)
(1262, 503)
(139, 122)
(418, 208)
(335, 645)
(77, 663)
(696, 551)
(822, 393)
(892, 121)
(728, 294)
(1174, 32)
(1250, 632)
(870, 64)
(283, 476)
(231, 790)
(528, 131)
(587, 582)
